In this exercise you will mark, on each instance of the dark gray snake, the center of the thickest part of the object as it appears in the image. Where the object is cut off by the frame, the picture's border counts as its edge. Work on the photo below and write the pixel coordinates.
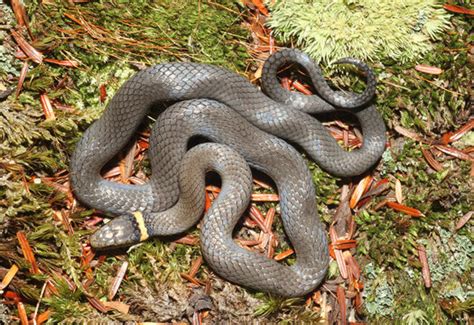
(240, 121)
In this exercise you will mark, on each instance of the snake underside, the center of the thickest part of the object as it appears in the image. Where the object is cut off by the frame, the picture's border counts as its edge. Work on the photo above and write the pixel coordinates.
(245, 127)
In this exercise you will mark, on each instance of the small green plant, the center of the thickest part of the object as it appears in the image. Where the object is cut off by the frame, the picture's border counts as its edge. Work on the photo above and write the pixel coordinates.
(369, 30)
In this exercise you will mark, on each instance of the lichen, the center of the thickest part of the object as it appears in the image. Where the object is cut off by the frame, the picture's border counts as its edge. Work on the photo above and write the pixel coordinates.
(8, 63)
(378, 293)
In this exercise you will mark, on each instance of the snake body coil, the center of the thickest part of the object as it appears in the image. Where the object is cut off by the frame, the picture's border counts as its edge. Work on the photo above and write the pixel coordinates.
(224, 108)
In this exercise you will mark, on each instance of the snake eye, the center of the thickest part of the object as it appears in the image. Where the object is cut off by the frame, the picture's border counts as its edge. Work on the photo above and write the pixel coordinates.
(125, 230)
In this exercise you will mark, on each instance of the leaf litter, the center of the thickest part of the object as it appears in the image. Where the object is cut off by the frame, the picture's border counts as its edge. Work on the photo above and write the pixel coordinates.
(78, 56)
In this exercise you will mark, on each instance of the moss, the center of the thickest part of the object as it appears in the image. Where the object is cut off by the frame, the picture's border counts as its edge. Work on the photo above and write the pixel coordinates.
(400, 296)
(369, 30)
(32, 150)
(390, 239)
(387, 242)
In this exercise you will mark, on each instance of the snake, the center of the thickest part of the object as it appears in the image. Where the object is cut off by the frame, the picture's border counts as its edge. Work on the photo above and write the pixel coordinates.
(242, 127)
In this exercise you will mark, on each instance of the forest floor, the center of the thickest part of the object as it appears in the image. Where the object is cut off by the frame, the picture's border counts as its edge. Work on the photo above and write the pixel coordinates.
(401, 234)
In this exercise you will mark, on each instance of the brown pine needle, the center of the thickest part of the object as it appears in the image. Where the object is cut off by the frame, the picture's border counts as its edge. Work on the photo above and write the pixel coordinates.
(43, 317)
(431, 160)
(20, 13)
(338, 253)
(269, 218)
(272, 243)
(257, 216)
(47, 107)
(301, 88)
(341, 300)
(405, 209)
(249, 242)
(8, 277)
(262, 184)
(29, 50)
(187, 240)
(190, 279)
(344, 244)
(464, 219)
(462, 131)
(377, 188)
(283, 255)
(195, 265)
(425, 269)
(458, 9)
(354, 269)
(97, 304)
(454, 152)
(22, 313)
(21, 79)
(126, 164)
(259, 197)
(27, 252)
(428, 69)
(64, 63)
(260, 6)
(408, 133)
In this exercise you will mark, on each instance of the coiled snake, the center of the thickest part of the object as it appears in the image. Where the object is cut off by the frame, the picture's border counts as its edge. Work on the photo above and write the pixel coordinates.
(241, 121)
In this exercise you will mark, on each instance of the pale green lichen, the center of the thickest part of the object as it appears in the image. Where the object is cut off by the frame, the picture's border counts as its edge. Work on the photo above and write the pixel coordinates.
(8, 63)
(378, 294)
(450, 254)
(370, 30)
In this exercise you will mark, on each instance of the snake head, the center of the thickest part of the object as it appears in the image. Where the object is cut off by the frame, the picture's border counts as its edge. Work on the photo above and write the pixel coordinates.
(125, 230)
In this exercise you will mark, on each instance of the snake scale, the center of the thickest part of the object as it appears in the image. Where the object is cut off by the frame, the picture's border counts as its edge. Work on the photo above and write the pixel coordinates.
(244, 127)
